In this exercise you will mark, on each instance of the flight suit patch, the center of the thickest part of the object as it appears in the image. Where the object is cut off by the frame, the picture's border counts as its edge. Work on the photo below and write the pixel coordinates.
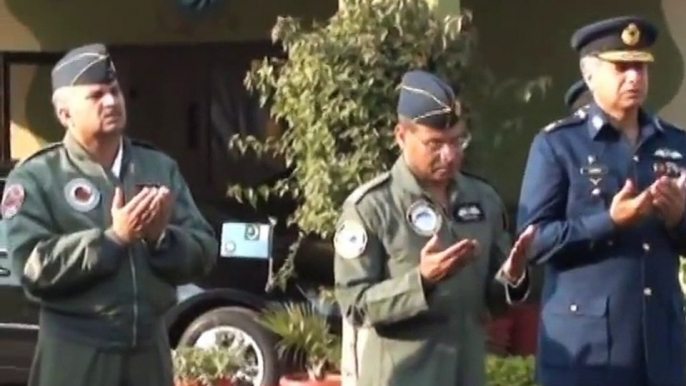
(12, 200)
(350, 239)
(81, 194)
(470, 212)
(423, 219)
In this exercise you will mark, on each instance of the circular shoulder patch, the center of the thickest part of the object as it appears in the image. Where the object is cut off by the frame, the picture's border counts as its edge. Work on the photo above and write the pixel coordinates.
(12, 200)
(423, 218)
(81, 194)
(350, 239)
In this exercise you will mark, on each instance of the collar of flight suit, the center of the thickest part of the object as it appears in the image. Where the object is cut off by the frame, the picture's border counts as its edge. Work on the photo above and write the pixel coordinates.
(89, 166)
(410, 185)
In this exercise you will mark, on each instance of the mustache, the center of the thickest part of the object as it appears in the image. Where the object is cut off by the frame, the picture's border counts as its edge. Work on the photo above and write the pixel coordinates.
(112, 113)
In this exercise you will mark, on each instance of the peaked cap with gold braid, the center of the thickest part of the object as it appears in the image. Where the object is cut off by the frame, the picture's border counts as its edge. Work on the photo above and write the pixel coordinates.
(620, 39)
(427, 100)
(89, 64)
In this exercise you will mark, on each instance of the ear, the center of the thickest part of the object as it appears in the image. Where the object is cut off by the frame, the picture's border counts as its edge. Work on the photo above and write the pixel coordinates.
(400, 133)
(63, 116)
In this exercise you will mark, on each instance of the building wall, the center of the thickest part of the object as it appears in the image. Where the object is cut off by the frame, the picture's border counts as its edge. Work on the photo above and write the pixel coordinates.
(50, 25)
(530, 38)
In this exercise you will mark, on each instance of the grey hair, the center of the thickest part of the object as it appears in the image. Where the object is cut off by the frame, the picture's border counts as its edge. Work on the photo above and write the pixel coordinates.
(59, 98)
(403, 120)
(587, 65)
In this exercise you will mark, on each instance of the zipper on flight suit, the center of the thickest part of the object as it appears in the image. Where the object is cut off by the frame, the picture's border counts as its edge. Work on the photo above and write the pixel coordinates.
(126, 168)
(132, 266)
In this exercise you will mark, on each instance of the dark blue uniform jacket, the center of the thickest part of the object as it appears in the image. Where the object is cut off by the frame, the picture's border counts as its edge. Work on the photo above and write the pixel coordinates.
(612, 308)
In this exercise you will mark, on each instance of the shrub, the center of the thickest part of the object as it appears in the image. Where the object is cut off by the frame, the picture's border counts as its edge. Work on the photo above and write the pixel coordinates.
(510, 371)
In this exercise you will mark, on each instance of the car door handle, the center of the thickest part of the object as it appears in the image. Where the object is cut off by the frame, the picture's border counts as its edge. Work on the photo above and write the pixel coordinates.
(4, 272)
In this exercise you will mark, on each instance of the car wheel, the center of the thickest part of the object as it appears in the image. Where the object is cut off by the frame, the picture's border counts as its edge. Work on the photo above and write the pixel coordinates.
(227, 326)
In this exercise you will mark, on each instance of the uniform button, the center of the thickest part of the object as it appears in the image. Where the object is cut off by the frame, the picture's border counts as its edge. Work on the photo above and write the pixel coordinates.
(610, 243)
(573, 308)
(646, 247)
(647, 291)
(635, 158)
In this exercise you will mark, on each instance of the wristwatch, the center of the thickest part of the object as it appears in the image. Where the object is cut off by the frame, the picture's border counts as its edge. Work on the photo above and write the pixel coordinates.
(506, 279)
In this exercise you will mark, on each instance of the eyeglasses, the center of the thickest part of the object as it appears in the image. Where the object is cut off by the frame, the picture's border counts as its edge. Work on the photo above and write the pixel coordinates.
(460, 142)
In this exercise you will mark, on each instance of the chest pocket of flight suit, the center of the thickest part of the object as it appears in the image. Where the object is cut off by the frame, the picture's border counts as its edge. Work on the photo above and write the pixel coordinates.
(474, 221)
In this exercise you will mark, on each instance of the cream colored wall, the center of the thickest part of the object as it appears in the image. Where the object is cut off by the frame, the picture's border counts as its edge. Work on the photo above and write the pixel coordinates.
(58, 24)
(674, 12)
(30, 92)
(23, 141)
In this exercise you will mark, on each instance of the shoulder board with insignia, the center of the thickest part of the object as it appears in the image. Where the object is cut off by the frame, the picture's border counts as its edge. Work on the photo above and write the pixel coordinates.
(44, 150)
(147, 145)
(578, 117)
(363, 189)
(661, 123)
(582, 111)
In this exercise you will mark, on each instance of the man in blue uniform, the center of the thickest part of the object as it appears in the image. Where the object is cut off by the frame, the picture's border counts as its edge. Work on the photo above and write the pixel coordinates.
(578, 95)
(602, 188)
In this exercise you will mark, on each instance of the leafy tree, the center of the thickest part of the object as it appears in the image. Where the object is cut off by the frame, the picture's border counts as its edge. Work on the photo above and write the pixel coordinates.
(337, 90)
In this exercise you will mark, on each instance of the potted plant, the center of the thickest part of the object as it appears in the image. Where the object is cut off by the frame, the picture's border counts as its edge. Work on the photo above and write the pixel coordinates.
(306, 334)
(510, 371)
(208, 367)
(336, 93)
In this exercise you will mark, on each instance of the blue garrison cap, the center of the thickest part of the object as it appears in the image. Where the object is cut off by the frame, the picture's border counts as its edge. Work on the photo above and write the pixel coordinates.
(620, 39)
(89, 64)
(427, 100)
(577, 95)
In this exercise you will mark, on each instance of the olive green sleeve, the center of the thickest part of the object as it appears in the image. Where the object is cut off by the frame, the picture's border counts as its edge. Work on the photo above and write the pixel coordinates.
(54, 263)
(189, 248)
(365, 293)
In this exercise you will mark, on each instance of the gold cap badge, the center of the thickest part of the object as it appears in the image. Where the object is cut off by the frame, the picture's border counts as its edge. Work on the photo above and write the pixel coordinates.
(631, 35)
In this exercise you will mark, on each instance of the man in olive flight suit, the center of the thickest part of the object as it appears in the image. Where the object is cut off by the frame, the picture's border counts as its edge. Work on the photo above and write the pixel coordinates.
(417, 253)
(103, 229)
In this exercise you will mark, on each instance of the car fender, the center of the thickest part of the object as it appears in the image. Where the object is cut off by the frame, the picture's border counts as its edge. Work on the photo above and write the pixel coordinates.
(193, 300)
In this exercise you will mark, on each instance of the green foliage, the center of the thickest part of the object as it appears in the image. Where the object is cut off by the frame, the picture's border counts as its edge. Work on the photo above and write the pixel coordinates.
(208, 367)
(337, 91)
(510, 371)
(305, 333)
